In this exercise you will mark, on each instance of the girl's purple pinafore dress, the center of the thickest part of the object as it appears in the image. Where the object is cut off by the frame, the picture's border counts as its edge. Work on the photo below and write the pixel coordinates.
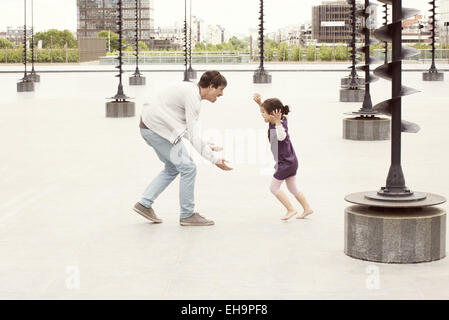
(285, 156)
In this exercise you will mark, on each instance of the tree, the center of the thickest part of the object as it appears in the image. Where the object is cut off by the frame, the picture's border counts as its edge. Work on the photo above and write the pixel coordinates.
(113, 37)
(238, 44)
(56, 39)
(211, 47)
(296, 53)
(341, 53)
(422, 46)
(199, 46)
(283, 52)
(310, 53)
(6, 44)
(143, 46)
(325, 53)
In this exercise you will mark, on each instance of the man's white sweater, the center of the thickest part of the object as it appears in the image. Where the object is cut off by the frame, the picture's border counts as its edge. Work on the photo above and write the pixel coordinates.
(174, 113)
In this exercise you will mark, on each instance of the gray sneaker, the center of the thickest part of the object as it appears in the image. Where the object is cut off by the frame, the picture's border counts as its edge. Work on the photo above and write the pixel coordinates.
(146, 213)
(196, 220)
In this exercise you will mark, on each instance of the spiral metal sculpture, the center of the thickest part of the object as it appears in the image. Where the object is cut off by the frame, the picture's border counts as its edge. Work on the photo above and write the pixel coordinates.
(366, 13)
(32, 40)
(433, 68)
(33, 75)
(353, 83)
(120, 96)
(395, 189)
(191, 72)
(137, 72)
(385, 12)
(186, 49)
(26, 77)
(261, 75)
(261, 39)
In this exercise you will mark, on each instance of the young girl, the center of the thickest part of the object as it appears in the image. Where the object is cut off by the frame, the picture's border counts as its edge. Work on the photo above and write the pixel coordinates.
(273, 111)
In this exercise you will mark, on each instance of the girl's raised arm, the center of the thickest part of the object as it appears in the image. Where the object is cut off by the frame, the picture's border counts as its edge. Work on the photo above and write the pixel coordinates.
(257, 99)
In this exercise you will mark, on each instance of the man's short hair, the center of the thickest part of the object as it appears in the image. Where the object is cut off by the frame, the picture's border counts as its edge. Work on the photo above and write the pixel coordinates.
(212, 78)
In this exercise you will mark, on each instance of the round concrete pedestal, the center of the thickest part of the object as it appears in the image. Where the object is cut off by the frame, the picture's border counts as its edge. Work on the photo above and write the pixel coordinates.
(352, 95)
(433, 76)
(27, 86)
(35, 77)
(366, 129)
(137, 81)
(261, 77)
(346, 81)
(191, 74)
(395, 235)
(120, 109)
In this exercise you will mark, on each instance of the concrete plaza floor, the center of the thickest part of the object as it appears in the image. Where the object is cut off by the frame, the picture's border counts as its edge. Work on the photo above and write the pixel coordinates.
(70, 177)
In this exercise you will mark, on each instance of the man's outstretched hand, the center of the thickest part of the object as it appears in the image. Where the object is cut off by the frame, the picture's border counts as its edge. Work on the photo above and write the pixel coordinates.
(222, 165)
(214, 147)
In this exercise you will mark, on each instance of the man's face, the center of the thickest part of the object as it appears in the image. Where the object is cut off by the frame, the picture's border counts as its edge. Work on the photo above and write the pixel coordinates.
(213, 93)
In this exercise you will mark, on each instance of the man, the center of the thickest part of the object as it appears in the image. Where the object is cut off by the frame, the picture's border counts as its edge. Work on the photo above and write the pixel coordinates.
(163, 123)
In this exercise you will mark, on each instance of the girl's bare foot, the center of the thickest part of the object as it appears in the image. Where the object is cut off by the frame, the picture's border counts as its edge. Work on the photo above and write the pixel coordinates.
(289, 214)
(305, 214)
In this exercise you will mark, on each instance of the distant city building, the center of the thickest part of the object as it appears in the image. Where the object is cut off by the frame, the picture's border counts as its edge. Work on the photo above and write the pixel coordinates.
(215, 34)
(443, 21)
(198, 29)
(331, 21)
(417, 29)
(15, 35)
(207, 34)
(97, 15)
(168, 38)
(300, 34)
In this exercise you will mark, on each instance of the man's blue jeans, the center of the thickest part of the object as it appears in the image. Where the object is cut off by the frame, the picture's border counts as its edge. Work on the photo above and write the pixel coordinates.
(176, 160)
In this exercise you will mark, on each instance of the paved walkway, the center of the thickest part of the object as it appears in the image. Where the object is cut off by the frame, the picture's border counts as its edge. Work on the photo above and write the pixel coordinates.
(70, 176)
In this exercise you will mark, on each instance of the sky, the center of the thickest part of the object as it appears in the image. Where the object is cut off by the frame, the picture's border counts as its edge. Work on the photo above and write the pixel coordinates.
(236, 16)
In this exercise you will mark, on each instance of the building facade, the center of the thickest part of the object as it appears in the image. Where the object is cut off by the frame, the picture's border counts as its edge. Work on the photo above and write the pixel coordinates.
(97, 15)
(331, 22)
(15, 35)
(417, 29)
(300, 35)
(443, 21)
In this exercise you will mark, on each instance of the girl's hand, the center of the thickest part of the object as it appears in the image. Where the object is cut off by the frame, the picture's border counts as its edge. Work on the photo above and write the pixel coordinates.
(257, 99)
(276, 116)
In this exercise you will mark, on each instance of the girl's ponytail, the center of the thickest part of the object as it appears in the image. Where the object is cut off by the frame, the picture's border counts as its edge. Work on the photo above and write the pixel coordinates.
(286, 110)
